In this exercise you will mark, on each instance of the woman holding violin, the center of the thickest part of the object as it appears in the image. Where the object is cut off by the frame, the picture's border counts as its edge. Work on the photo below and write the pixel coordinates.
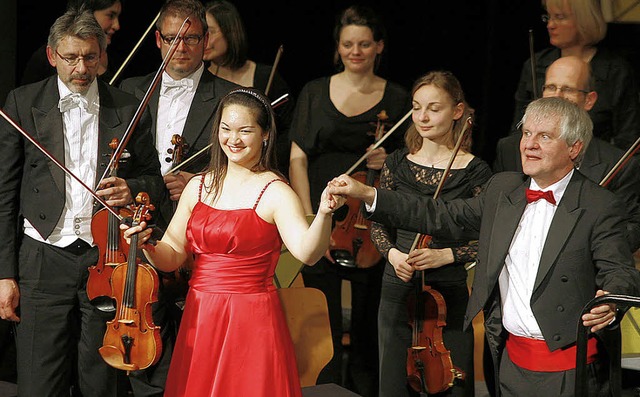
(233, 338)
(334, 124)
(439, 113)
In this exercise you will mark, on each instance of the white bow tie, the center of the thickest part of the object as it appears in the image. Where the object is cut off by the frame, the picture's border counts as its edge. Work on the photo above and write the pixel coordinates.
(72, 101)
(186, 84)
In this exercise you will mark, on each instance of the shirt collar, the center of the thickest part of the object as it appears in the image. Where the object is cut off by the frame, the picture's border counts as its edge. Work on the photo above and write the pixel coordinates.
(91, 96)
(193, 79)
(557, 188)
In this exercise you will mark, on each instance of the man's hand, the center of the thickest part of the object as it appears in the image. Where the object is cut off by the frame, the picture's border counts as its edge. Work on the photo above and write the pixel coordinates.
(600, 316)
(115, 191)
(175, 183)
(9, 299)
(346, 186)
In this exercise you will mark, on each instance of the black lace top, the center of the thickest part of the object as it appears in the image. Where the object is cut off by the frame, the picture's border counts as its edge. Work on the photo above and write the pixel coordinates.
(403, 175)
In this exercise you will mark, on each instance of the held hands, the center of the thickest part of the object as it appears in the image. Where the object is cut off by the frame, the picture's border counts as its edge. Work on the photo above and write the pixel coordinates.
(330, 202)
(376, 159)
(398, 260)
(600, 316)
(344, 185)
(115, 191)
(9, 299)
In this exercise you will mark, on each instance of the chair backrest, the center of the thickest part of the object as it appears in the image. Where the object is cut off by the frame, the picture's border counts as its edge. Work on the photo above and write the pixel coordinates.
(308, 319)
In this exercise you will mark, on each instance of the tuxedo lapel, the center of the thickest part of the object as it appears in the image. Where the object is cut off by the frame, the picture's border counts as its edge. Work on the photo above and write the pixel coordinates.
(50, 132)
(562, 225)
(200, 113)
(509, 210)
(109, 120)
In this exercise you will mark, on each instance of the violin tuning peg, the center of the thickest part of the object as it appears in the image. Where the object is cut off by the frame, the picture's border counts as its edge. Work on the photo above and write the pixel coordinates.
(168, 159)
(170, 150)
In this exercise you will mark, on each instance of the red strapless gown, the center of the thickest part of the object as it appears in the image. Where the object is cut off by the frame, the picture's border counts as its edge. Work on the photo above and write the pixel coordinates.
(233, 338)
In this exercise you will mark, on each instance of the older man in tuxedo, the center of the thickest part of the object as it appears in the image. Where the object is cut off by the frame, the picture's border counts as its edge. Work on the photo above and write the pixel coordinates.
(549, 241)
(570, 78)
(43, 274)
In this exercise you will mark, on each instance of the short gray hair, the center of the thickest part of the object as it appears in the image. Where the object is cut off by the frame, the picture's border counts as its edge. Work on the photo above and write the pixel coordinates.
(77, 23)
(574, 122)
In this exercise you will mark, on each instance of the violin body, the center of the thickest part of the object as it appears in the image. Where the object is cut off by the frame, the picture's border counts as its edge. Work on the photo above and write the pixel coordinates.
(352, 237)
(429, 366)
(112, 246)
(132, 341)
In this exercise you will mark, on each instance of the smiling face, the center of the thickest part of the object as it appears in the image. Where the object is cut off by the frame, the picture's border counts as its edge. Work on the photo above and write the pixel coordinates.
(108, 19)
(357, 48)
(77, 78)
(187, 58)
(546, 157)
(240, 136)
(434, 113)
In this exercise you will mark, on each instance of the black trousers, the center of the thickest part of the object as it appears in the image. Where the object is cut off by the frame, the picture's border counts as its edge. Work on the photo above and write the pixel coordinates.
(396, 335)
(60, 332)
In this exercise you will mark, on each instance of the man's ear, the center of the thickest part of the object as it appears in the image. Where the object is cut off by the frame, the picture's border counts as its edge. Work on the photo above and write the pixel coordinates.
(51, 56)
(575, 149)
(590, 100)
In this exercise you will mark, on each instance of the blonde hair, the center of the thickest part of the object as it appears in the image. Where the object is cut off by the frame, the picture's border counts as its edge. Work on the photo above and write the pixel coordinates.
(590, 22)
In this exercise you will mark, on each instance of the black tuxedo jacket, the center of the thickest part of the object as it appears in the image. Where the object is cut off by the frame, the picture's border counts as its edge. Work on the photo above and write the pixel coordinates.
(31, 185)
(197, 128)
(586, 248)
(599, 159)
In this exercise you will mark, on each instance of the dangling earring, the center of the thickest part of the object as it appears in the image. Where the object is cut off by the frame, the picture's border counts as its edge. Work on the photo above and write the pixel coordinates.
(264, 143)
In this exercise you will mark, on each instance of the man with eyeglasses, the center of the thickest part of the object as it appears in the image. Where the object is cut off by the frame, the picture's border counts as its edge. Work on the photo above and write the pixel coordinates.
(570, 78)
(577, 28)
(184, 105)
(46, 218)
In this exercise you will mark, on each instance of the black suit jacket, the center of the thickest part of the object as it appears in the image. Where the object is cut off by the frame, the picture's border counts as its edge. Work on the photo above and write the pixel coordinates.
(197, 128)
(31, 185)
(585, 250)
(599, 158)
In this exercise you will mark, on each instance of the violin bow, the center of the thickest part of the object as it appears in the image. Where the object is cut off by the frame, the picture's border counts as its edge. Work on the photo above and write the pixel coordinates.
(532, 57)
(468, 122)
(147, 96)
(378, 143)
(273, 70)
(134, 50)
(197, 154)
(621, 163)
(57, 163)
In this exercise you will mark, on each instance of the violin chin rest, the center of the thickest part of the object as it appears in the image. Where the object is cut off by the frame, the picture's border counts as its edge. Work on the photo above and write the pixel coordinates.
(114, 357)
(343, 258)
(105, 304)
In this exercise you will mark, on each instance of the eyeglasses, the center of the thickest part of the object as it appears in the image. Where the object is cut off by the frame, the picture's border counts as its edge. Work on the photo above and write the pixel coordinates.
(559, 18)
(552, 88)
(188, 40)
(89, 60)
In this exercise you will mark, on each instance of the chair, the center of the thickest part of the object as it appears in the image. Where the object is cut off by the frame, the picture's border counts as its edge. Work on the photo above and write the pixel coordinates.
(623, 303)
(308, 319)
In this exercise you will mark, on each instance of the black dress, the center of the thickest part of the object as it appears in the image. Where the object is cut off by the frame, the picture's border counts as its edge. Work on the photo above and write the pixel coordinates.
(333, 142)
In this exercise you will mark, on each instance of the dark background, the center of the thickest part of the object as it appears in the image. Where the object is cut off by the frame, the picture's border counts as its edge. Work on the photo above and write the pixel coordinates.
(483, 42)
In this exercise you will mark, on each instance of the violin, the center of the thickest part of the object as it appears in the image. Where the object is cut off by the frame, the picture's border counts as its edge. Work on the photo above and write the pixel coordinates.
(176, 154)
(132, 341)
(352, 240)
(429, 365)
(105, 229)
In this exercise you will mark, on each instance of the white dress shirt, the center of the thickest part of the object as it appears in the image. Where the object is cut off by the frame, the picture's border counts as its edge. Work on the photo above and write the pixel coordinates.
(173, 108)
(80, 128)
(523, 259)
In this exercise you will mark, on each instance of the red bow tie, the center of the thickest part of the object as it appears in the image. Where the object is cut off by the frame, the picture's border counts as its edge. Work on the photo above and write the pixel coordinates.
(535, 195)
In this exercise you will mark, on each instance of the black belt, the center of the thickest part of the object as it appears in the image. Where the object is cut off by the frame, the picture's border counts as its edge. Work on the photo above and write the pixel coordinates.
(78, 247)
